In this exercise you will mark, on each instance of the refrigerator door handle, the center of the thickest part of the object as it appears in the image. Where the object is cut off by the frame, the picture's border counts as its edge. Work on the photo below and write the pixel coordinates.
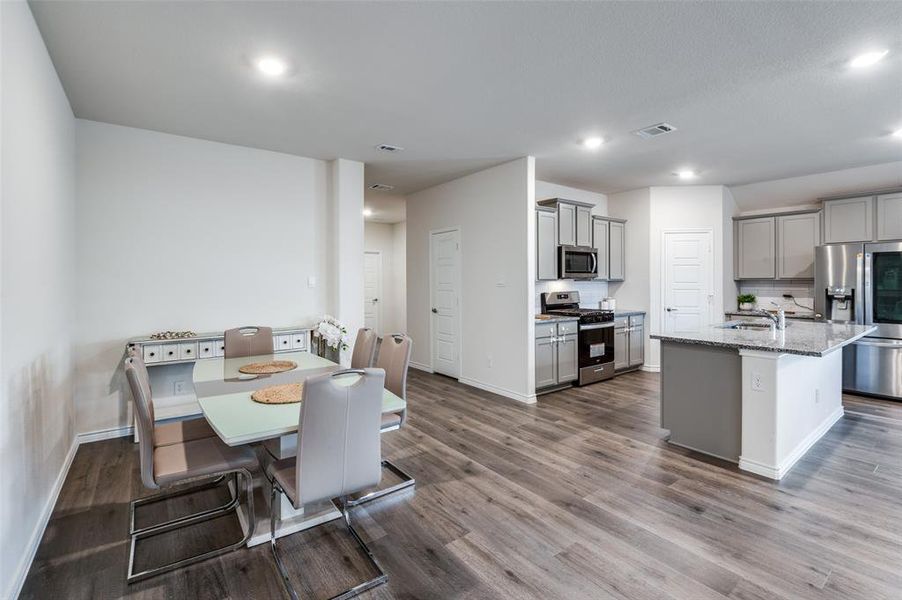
(868, 292)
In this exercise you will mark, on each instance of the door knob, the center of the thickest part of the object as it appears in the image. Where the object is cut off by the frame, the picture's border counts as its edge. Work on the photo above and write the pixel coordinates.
(375, 299)
(435, 310)
(670, 309)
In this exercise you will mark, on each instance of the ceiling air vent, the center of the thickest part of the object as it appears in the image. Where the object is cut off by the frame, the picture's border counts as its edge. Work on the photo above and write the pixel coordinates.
(388, 148)
(382, 187)
(654, 130)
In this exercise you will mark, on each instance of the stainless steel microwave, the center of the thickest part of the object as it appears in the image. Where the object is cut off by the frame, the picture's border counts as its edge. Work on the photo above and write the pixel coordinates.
(577, 262)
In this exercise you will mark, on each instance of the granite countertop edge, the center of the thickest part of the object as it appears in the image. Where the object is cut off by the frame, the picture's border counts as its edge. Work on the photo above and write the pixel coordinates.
(555, 319)
(749, 313)
(628, 313)
(742, 345)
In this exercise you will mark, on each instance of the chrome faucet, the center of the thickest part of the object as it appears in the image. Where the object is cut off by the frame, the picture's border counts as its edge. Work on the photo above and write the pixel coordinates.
(779, 319)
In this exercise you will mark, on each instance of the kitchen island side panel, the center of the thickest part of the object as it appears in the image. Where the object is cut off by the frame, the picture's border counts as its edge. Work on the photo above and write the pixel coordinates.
(701, 398)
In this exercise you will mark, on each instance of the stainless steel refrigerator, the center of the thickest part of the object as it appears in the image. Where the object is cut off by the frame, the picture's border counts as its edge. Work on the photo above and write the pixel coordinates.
(862, 283)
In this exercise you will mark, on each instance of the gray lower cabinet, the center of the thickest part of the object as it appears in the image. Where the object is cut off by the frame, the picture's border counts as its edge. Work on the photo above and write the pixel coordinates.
(557, 354)
(567, 359)
(546, 362)
(621, 346)
(546, 244)
(629, 342)
(616, 251)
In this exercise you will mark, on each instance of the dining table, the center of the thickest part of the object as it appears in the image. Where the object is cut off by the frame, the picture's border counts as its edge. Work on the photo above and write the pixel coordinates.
(224, 395)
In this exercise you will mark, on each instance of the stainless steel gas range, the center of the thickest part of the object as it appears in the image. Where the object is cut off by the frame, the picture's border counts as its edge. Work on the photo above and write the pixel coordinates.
(596, 334)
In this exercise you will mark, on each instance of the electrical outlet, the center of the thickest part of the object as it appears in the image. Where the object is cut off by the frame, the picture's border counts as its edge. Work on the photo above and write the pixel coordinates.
(180, 388)
(489, 361)
(817, 396)
(757, 385)
(311, 282)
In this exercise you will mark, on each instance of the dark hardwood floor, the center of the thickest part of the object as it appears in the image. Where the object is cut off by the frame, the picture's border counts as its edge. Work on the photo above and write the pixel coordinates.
(575, 497)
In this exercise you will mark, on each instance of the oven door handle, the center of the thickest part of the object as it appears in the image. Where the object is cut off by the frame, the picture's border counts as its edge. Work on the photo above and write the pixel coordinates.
(596, 326)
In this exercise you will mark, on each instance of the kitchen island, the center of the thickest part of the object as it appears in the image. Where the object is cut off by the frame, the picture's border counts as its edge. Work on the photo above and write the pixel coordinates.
(753, 394)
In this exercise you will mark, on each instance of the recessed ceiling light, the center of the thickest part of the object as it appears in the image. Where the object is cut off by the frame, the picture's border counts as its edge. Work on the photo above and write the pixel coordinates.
(593, 143)
(867, 59)
(272, 66)
(686, 174)
(367, 212)
(897, 133)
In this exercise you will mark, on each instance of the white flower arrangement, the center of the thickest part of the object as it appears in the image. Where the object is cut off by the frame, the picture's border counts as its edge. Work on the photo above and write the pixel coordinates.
(333, 331)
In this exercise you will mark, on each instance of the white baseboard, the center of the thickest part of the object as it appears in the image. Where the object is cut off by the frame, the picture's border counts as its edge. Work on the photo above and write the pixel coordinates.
(650, 368)
(38, 533)
(421, 367)
(524, 398)
(105, 434)
(777, 472)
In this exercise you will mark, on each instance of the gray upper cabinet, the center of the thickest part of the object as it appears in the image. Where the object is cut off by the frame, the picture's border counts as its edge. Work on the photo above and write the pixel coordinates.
(546, 244)
(754, 252)
(616, 250)
(583, 226)
(566, 224)
(889, 216)
(600, 243)
(797, 235)
(849, 220)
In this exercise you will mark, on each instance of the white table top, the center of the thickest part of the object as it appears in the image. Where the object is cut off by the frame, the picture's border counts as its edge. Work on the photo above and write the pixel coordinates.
(224, 395)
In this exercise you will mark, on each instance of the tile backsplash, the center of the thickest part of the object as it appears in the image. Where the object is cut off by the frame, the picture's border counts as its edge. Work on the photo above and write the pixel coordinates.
(590, 292)
(769, 291)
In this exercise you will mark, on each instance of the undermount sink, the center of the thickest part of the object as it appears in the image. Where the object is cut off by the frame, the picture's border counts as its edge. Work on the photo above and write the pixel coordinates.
(751, 325)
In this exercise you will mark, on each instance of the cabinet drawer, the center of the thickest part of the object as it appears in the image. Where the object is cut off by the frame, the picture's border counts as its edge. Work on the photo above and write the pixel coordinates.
(281, 343)
(621, 322)
(206, 349)
(637, 320)
(219, 348)
(545, 330)
(187, 350)
(152, 354)
(299, 341)
(567, 327)
(170, 351)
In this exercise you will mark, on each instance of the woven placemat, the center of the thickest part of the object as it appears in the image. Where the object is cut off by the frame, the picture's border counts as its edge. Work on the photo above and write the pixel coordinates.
(270, 366)
(279, 394)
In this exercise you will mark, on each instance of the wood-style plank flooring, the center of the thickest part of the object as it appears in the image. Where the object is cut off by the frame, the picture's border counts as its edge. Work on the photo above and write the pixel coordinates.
(575, 497)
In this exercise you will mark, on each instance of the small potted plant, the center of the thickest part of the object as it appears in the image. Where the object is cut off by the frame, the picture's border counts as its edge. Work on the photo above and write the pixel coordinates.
(746, 301)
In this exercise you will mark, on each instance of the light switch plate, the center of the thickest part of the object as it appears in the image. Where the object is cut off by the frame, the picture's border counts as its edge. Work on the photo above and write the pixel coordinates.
(311, 282)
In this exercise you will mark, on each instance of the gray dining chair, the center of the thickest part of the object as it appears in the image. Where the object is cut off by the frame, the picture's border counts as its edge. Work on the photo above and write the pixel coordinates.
(338, 454)
(165, 434)
(394, 359)
(364, 349)
(206, 460)
(251, 340)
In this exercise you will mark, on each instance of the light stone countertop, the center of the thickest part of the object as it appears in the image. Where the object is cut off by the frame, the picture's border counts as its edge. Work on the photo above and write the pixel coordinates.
(799, 337)
(553, 319)
(628, 313)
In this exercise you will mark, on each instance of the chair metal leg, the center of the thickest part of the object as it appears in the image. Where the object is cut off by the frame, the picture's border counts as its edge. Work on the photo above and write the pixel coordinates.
(133, 506)
(406, 482)
(190, 520)
(349, 593)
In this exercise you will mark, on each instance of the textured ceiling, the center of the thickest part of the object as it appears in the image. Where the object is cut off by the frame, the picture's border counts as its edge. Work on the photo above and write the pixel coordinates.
(758, 91)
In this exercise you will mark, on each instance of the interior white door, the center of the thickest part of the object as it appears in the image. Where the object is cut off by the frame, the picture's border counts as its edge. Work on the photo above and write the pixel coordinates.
(372, 291)
(688, 281)
(444, 253)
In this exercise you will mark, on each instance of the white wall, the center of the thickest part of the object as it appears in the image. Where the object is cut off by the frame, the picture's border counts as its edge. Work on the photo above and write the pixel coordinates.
(494, 210)
(546, 189)
(179, 233)
(651, 211)
(37, 424)
(388, 239)
(345, 199)
(730, 209)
